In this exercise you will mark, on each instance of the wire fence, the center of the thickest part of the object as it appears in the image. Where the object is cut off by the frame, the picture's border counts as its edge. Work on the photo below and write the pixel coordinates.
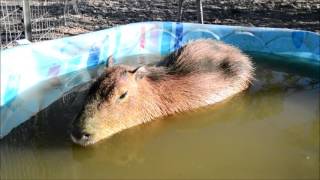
(48, 18)
(51, 19)
(11, 22)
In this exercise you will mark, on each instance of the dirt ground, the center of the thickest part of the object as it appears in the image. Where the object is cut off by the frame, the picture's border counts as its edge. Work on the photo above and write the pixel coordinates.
(297, 14)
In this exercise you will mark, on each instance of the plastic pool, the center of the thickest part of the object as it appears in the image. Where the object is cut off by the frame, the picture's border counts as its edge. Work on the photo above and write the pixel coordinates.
(33, 76)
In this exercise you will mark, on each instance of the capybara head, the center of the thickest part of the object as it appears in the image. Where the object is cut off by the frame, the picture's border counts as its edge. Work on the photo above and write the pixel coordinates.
(110, 105)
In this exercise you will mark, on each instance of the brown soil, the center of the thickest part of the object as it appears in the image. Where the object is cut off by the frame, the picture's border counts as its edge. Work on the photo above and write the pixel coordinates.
(297, 14)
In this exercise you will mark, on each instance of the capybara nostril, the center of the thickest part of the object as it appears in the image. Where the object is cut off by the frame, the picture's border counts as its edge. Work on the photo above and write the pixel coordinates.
(80, 135)
(85, 136)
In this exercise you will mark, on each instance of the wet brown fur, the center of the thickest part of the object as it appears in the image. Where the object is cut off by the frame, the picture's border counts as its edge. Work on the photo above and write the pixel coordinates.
(200, 73)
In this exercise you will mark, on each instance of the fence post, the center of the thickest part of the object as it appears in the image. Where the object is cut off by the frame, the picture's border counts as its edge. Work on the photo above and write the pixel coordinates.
(200, 11)
(27, 19)
(180, 10)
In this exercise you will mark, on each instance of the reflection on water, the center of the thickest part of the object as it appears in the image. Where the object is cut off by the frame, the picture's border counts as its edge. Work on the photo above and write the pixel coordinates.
(269, 131)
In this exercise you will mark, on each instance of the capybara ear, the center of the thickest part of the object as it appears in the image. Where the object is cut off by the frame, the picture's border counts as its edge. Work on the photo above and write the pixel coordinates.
(139, 72)
(110, 61)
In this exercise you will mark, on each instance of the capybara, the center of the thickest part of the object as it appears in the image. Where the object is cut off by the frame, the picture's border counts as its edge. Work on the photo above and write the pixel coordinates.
(200, 73)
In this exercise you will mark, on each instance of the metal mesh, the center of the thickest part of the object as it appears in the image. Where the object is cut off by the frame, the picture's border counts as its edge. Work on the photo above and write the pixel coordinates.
(11, 22)
(49, 19)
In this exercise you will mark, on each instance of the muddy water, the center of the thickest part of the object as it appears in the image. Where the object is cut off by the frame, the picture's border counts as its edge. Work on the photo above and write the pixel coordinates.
(270, 131)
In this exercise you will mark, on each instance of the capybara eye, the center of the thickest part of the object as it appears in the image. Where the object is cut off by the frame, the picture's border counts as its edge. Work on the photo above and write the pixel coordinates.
(123, 95)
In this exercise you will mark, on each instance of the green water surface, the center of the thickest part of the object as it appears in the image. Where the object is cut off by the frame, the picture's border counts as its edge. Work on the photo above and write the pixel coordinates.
(271, 131)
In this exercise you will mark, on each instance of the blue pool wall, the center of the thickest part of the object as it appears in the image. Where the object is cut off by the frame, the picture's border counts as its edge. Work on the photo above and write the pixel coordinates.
(33, 76)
